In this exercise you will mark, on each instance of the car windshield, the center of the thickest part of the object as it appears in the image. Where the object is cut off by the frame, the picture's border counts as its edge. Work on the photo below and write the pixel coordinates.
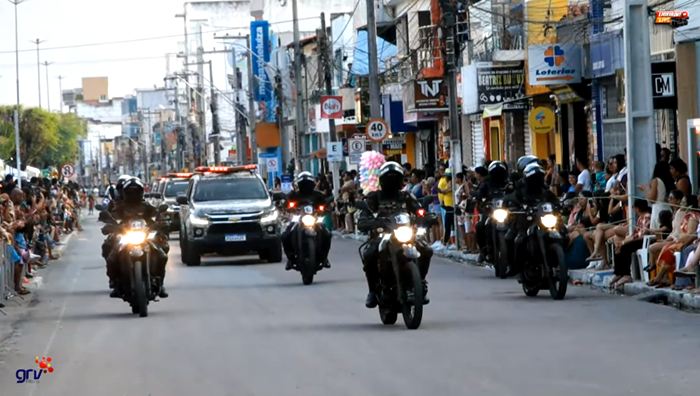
(174, 188)
(225, 189)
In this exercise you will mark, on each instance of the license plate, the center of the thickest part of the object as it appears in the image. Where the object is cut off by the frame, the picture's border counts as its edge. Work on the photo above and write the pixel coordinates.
(235, 238)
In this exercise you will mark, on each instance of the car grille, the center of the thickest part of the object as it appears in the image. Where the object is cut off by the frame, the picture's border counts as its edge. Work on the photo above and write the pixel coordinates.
(234, 228)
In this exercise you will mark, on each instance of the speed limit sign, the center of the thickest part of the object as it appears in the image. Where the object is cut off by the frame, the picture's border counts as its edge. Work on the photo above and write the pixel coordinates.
(377, 130)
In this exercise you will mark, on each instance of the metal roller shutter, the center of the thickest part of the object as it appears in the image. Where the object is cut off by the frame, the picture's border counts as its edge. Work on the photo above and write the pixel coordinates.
(477, 142)
(528, 134)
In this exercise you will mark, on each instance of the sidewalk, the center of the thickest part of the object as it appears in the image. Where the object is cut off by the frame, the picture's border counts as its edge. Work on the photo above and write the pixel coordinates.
(16, 308)
(597, 279)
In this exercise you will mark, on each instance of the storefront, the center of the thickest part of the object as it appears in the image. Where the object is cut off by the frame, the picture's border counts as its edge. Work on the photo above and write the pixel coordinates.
(424, 108)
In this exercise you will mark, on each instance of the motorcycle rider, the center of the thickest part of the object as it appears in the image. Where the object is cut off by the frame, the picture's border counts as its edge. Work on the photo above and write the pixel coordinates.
(115, 192)
(306, 194)
(132, 205)
(496, 184)
(387, 200)
(531, 190)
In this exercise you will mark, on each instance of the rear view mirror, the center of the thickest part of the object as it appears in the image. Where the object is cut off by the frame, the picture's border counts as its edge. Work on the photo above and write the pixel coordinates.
(99, 207)
(162, 208)
(105, 217)
(181, 199)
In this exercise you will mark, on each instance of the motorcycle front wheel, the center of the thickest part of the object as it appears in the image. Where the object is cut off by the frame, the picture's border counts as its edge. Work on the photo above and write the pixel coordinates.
(413, 310)
(388, 316)
(558, 273)
(140, 296)
(501, 256)
(308, 266)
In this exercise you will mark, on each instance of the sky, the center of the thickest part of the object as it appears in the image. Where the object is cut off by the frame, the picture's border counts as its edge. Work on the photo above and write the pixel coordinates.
(64, 23)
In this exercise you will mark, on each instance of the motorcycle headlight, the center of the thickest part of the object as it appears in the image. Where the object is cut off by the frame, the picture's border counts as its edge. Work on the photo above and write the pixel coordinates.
(270, 217)
(308, 220)
(197, 221)
(403, 234)
(549, 220)
(134, 237)
(500, 215)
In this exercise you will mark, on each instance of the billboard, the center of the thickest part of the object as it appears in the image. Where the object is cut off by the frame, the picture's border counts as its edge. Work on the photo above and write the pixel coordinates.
(552, 64)
(260, 46)
(498, 84)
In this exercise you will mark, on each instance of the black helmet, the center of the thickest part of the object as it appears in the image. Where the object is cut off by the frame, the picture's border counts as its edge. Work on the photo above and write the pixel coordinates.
(391, 177)
(132, 190)
(524, 161)
(305, 182)
(498, 172)
(534, 178)
(120, 185)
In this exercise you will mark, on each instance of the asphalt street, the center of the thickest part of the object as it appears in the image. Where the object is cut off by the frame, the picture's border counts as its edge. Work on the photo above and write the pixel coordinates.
(238, 327)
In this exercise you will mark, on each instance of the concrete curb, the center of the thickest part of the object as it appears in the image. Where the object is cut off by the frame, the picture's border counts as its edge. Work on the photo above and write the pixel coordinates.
(597, 279)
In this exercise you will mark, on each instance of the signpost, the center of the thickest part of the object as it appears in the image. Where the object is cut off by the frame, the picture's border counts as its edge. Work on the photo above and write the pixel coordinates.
(357, 146)
(377, 130)
(335, 152)
(67, 170)
(272, 165)
(286, 181)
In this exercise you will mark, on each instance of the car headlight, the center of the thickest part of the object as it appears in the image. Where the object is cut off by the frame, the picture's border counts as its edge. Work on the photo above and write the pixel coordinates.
(549, 220)
(500, 215)
(134, 237)
(308, 220)
(197, 221)
(270, 217)
(403, 234)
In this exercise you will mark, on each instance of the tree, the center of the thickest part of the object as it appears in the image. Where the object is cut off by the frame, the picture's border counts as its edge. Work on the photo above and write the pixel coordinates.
(46, 139)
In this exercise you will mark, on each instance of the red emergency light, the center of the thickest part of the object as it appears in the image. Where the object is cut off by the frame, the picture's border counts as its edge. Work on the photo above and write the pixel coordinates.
(225, 169)
(421, 212)
(180, 174)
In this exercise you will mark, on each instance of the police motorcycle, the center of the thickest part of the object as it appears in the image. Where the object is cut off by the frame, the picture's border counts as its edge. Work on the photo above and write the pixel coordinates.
(544, 266)
(137, 242)
(306, 221)
(400, 286)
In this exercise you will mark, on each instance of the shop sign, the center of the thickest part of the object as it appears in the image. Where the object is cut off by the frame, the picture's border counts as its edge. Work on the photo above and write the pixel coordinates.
(552, 64)
(260, 47)
(541, 120)
(663, 85)
(496, 85)
(431, 94)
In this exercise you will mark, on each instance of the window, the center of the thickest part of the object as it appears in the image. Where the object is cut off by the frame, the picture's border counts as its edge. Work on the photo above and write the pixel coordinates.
(175, 188)
(103, 97)
(228, 189)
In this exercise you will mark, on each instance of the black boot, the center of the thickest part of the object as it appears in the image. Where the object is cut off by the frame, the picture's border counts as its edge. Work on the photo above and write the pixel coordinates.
(115, 293)
(326, 263)
(290, 265)
(163, 293)
(371, 300)
(426, 299)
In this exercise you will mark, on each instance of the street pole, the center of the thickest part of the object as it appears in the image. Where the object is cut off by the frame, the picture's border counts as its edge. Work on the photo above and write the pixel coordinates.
(375, 108)
(452, 51)
(299, 119)
(327, 57)
(146, 156)
(240, 134)
(48, 96)
(217, 137)
(17, 154)
(60, 89)
(200, 100)
(38, 66)
(251, 105)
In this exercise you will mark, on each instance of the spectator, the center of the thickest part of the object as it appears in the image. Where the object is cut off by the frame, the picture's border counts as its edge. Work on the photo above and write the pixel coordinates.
(437, 204)
(561, 184)
(656, 192)
(573, 181)
(679, 171)
(445, 188)
(600, 173)
(665, 155)
(688, 232)
(675, 198)
(407, 169)
(550, 176)
(417, 176)
(583, 182)
(632, 243)
(276, 184)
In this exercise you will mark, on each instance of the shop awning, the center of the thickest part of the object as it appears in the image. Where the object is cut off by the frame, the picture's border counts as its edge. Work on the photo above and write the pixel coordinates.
(360, 62)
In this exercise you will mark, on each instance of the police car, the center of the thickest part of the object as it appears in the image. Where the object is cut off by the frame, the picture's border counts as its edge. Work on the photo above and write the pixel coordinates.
(170, 186)
(228, 210)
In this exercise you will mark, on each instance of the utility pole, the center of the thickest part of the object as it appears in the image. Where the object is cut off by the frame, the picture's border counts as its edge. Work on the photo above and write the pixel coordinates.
(251, 104)
(17, 153)
(327, 59)
(240, 135)
(200, 100)
(452, 52)
(60, 89)
(38, 66)
(375, 108)
(48, 96)
(299, 119)
(214, 120)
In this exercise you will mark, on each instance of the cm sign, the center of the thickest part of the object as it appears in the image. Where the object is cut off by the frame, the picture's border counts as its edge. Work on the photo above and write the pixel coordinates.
(663, 85)
(260, 46)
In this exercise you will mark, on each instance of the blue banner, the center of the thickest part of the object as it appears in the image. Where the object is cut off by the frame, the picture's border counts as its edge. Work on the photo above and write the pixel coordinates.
(606, 54)
(260, 46)
(271, 104)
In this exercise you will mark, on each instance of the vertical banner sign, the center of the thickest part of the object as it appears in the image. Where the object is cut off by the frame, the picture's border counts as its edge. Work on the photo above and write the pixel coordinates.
(260, 46)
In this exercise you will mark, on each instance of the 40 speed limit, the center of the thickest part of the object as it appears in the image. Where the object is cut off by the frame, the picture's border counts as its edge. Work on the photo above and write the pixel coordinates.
(377, 130)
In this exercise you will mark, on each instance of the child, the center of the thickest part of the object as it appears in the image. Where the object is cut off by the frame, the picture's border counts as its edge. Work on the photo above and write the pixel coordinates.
(600, 176)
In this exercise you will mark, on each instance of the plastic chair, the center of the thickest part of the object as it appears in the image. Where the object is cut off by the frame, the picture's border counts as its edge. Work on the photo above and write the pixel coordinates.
(643, 257)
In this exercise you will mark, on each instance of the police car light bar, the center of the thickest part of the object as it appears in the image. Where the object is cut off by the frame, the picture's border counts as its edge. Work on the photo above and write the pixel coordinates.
(179, 174)
(225, 169)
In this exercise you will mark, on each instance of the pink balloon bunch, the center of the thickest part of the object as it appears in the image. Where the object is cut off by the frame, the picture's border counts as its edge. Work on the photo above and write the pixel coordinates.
(369, 170)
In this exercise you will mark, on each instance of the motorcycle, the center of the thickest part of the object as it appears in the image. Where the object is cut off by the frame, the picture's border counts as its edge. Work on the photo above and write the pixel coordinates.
(306, 222)
(401, 287)
(136, 244)
(544, 265)
(497, 226)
